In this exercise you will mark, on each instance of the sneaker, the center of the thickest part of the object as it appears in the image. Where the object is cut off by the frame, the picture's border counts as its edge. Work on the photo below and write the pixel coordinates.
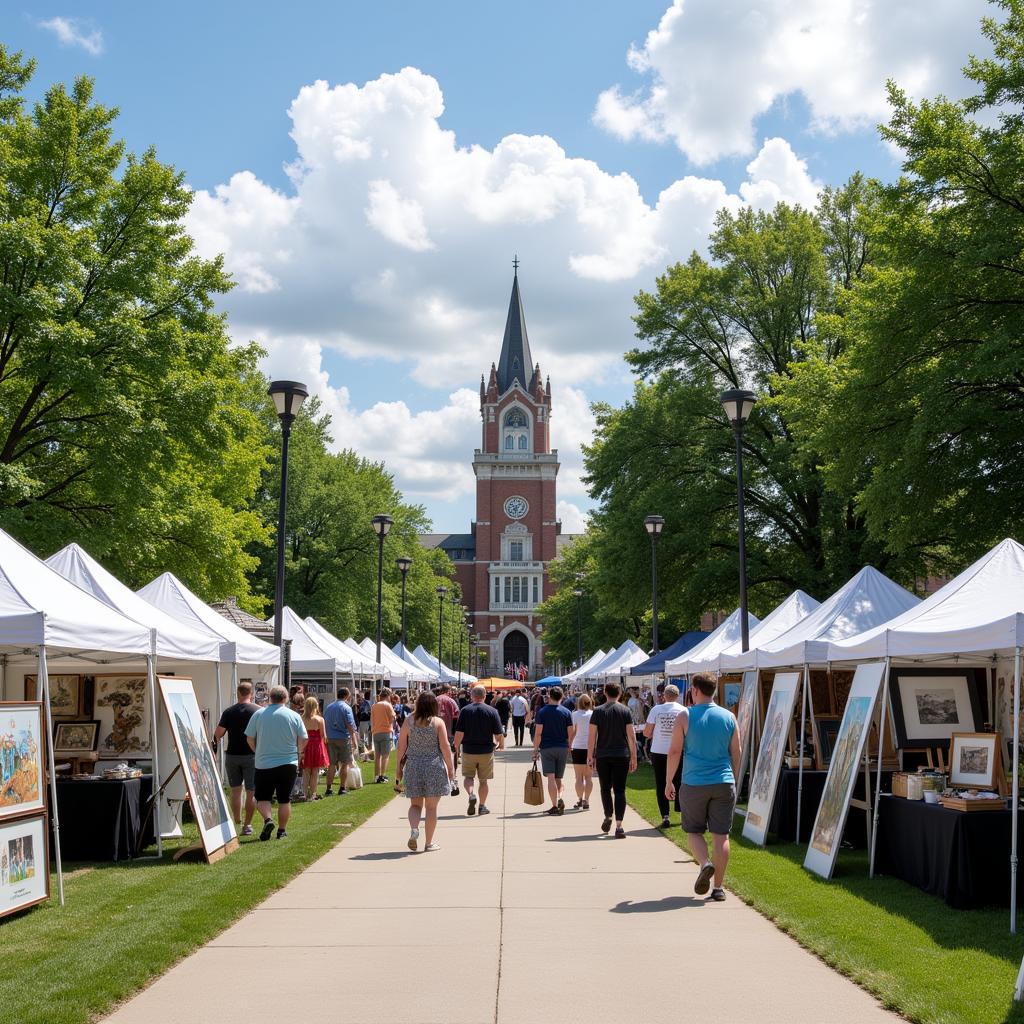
(281, 834)
(328, 792)
(620, 833)
(414, 839)
(561, 806)
(665, 823)
(431, 847)
(718, 895)
(247, 830)
(484, 810)
(703, 883)
(471, 809)
(554, 810)
(343, 791)
(585, 806)
(576, 806)
(384, 778)
(379, 778)
(268, 830)
(606, 825)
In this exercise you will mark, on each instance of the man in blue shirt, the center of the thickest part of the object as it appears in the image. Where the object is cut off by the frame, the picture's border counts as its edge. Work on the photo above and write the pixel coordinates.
(551, 739)
(711, 766)
(278, 738)
(342, 739)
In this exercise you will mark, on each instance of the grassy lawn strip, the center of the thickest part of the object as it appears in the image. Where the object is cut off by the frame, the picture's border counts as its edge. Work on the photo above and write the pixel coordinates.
(124, 924)
(928, 962)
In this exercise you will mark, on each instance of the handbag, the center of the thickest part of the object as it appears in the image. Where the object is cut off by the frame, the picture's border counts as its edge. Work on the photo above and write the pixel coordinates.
(533, 791)
(353, 777)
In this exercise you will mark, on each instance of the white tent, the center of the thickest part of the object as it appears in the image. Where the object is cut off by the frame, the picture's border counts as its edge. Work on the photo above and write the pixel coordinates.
(420, 673)
(381, 668)
(397, 669)
(597, 670)
(579, 673)
(866, 600)
(632, 655)
(727, 634)
(423, 655)
(309, 653)
(354, 661)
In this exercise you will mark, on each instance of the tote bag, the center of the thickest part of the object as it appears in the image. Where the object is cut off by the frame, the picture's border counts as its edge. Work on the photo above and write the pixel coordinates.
(353, 777)
(533, 792)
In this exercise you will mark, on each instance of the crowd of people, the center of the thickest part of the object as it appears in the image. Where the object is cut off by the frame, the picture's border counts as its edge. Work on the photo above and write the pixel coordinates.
(279, 752)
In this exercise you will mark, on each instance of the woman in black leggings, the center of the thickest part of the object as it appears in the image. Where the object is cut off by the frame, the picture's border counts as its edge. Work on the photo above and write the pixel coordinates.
(611, 749)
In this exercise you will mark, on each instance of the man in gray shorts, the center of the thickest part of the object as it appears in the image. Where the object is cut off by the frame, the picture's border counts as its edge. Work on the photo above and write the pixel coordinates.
(342, 740)
(239, 760)
(711, 766)
(551, 740)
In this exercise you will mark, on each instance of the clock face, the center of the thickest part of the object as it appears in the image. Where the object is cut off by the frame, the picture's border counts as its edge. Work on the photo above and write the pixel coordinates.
(516, 507)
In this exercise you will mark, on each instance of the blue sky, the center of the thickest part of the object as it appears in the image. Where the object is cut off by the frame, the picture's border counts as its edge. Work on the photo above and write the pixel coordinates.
(379, 267)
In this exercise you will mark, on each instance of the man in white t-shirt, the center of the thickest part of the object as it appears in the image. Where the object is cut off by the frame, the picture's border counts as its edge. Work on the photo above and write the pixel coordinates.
(658, 730)
(520, 708)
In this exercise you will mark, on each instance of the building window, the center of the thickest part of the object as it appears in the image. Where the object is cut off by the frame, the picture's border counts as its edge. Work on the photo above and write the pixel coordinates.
(515, 590)
(497, 589)
(509, 441)
(536, 590)
(516, 430)
(522, 442)
(515, 551)
(508, 590)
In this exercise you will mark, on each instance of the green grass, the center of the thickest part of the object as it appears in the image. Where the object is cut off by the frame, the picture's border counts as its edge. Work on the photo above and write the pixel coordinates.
(124, 924)
(933, 964)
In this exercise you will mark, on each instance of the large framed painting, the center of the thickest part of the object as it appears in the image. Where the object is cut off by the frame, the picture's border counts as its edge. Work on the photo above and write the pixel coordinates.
(67, 695)
(765, 777)
(22, 772)
(209, 806)
(24, 863)
(121, 706)
(744, 720)
(929, 705)
(847, 756)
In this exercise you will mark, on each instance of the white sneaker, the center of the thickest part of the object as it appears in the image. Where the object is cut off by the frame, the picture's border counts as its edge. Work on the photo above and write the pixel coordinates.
(414, 839)
(431, 847)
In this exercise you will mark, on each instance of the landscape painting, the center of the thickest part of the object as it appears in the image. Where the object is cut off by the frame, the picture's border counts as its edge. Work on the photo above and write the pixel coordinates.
(973, 759)
(936, 707)
(65, 694)
(22, 777)
(929, 705)
(24, 863)
(121, 706)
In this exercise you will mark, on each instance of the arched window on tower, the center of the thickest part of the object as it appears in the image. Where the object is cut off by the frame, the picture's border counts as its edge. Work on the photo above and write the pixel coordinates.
(516, 430)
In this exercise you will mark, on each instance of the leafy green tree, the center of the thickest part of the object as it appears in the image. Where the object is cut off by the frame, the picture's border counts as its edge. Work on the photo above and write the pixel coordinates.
(127, 421)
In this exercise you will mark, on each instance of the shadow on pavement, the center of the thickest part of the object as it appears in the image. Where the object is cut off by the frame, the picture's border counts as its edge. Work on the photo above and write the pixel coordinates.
(657, 906)
(387, 855)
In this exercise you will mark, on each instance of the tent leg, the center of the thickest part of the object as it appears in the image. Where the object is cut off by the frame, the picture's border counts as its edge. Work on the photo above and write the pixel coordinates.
(800, 752)
(44, 681)
(154, 715)
(1016, 794)
(873, 838)
(3, 677)
(218, 709)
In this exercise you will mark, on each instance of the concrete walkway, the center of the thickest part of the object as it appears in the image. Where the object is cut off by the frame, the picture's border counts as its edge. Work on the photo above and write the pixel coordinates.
(518, 919)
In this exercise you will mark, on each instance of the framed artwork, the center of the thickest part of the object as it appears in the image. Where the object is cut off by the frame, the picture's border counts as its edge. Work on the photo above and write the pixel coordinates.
(22, 770)
(973, 758)
(744, 721)
(75, 737)
(213, 818)
(765, 777)
(121, 706)
(826, 732)
(929, 705)
(729, 696)
(24, 863)
(847, 755)
(66, 695)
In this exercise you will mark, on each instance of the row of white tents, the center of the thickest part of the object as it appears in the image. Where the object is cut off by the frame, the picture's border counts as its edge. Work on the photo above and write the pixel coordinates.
(604, 665)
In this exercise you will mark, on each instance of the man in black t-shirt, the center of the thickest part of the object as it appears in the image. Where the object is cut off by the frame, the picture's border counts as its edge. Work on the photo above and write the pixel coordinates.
(504, 708)
(611, 749)
(477, 729)
(239, 760)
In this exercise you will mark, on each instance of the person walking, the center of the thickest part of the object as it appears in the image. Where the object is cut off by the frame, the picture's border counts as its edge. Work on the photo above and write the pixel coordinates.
(363, 708)
(551, 739)
(708, 741)
(382, 721)
(611, 750)
(661, 721)
(477, 729)
(239, 760)
(426, 767)
(579, 733)
(504, 709)
(447, 708)
(277, 737)
(314, 757)
(342, 740)
(520, 707)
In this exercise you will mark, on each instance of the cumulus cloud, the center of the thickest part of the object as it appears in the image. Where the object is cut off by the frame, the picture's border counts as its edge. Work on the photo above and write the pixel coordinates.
(75, 32)
(712, 67)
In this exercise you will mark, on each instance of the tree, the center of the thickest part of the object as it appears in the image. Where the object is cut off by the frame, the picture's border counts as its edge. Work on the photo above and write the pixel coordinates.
(127, 422)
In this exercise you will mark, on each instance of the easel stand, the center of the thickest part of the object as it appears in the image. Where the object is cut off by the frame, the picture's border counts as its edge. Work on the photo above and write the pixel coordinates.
(151, 806)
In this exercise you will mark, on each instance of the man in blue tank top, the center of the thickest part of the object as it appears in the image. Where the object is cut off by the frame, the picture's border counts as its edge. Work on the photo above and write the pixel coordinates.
(708, 738)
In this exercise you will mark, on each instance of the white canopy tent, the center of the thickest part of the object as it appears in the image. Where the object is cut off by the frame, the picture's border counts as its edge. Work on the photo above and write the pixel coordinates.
(380, 668)
(727, 634)
(420, 673)
(596, 671)
(580, 672)
(446, 674)
(399, 672)
(629, 654)
(310, 653)
(356, 663)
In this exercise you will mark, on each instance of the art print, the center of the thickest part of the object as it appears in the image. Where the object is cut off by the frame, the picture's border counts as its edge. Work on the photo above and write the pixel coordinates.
(972, 759)
(75, 737)
(24, 863)
(745, 709)
(65, 694)
(22, 774)
(121, 706)
(929, 705)
(730, 696)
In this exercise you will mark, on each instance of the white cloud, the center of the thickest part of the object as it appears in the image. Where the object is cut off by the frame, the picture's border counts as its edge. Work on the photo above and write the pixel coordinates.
(712, 67)
(574, 519)
(75, 32)
(398, 219)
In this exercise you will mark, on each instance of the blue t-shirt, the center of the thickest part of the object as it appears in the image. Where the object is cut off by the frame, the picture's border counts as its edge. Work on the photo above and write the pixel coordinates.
(556, 721)
(338, 717)
(277, 730)
(706, 759)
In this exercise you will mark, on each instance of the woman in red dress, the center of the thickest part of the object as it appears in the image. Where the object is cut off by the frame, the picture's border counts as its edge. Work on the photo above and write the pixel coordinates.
(314, 757)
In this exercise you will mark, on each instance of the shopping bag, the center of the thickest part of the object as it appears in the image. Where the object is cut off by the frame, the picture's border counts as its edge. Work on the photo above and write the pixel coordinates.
(533, 791)
(353, 777)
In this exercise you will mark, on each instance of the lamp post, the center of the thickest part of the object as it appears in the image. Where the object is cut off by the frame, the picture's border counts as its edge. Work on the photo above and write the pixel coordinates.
(404, 565)
(455, 604)
(381, 525)
(578, 594)
(441, 591)
(738, 404)
(654, 525)
(288, 396)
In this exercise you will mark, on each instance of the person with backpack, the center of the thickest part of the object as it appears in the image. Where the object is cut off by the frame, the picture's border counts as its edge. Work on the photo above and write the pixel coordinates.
(363, 709)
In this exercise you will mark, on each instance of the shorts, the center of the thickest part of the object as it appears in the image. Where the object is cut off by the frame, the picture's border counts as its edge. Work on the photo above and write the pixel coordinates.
(382, 743)
(278, 781)
(553, 761)
(579, 755)
(339, 753)
(241, 770)
(708, 808)
(480, 766)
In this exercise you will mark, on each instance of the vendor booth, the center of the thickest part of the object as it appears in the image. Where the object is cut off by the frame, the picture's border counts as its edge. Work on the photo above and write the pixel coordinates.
(596, 673)
(421, 673)
(397, 670)
(619, 663)
(727, 633)
(579, 674)
(655, 664)
(445, 674)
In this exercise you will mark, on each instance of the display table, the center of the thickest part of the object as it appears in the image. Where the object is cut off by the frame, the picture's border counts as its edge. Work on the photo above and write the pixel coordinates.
(103, 819)
(964, 857)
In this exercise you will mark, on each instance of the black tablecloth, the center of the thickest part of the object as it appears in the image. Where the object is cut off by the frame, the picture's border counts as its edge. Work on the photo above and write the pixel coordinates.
(103, 819)
(783, 819)
(962, 856)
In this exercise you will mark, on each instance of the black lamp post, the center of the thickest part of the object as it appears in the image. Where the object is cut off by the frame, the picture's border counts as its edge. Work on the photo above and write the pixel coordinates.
(288, 396)
(404, 564)
(441, 591)
(738, 404)
(654, 526)
(578, 594)
(381, 525)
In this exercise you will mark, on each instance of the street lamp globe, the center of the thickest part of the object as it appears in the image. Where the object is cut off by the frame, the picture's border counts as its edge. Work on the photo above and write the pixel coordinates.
(381, 525)
(288, 396)
(441, 591)
(654, 525)
(737, 404)
(577, 593)
(404, 564)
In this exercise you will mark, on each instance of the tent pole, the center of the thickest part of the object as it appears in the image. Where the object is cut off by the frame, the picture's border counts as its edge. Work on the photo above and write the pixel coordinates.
(878, 783)
(1016, 795)
(3, 677)
(218, 708)
(44, 682)
(153, 721)
(800, 752)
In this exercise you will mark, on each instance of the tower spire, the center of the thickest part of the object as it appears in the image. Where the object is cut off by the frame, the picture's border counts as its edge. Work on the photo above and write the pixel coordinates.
(515, 362)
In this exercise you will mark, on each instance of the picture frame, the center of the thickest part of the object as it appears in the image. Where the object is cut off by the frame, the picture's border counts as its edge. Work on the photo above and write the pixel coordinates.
(974, 758)
(71, 738)
(826, 732)
(121, 706)
(930, 704)
(67, 694)
(22, 759)
(745, 712)
(24, 863)
(729, 695)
